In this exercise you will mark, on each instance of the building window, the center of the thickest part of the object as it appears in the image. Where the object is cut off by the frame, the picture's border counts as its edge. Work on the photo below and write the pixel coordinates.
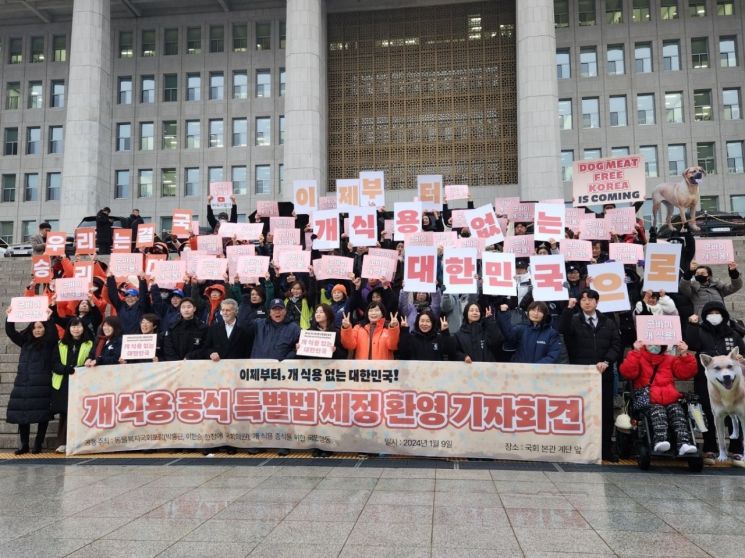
(191, 181)
(643, 58)
(282, 34)
(617, 110)
(619, 151)
(215, 174)
(263, 35)
(561, 13)
(281, 173)
(147, 93)
(731, 103)
(145, 183)
(263, 179)
(59, 48)
(33, 141)
(168, 183)
(123, 136)
(13, 95)
(121, 184)
(169, 135)
(563, 65)
(31, 187)
(263, 130)
(147, 136)
(216, 133)
(15, 51)
(193, 85)
(170, 88)
(148, 43)
(240, 132)
(674, 107)
(57, 99)
(676, 159)
(193, 133)
(28, 229)
(217, 38)
(669, 9)
(9, 187)
(649, 152)
(567, 158)
(734, 157)
(706, 157)
(124, 96)
(6, 231)
(645, 109)
(727, 52)
(565, 114)
(615, 60)
(56, 139)
(613, 11)
(590, 112)
(217, 86)
(709, 203)
(282, 81)
(194, 40)
(263, 83)
(592, 153)
(671, 56)
(696, 8)
(126, 44)
(588, 62)
(700, 52)
(166, 224)
(37, 50)
(281, 129)
(240, 37)
(11, 141)
(725, 7)
(702, 110)
(586, 12)
(170, 42)
(54, 186)
(240, 180)
(640, 11)
(35, 95)
(240, 85)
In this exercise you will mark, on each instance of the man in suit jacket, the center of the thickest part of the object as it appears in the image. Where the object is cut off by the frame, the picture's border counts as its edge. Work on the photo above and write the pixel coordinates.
(227, 339)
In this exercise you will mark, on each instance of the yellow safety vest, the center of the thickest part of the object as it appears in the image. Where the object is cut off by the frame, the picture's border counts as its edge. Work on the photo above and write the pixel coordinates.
(85, 350)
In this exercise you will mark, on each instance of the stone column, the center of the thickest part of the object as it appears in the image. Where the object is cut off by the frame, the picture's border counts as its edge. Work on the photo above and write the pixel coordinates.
(539, 143)
(305, 153)
(86, 176)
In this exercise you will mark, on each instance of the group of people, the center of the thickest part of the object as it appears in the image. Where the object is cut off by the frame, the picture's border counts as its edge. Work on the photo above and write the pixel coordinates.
(377, 319)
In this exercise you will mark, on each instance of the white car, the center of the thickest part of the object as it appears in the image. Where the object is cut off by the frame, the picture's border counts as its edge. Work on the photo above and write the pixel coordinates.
(18, 250)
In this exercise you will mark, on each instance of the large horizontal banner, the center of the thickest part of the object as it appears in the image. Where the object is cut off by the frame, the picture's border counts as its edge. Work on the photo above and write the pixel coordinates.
(439, 409)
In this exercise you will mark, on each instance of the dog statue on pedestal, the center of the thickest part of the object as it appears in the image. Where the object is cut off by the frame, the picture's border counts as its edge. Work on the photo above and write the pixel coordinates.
(683, 195)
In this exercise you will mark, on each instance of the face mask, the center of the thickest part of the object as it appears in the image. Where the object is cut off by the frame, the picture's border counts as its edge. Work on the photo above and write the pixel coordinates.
(714, 319)
(701, 279)
(654, 349)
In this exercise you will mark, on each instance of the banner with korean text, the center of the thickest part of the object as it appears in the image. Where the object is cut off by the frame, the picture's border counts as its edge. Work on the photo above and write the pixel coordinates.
(440, 409)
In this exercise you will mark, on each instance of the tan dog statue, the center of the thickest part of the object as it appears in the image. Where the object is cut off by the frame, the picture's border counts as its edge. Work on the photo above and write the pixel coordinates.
(683, 195)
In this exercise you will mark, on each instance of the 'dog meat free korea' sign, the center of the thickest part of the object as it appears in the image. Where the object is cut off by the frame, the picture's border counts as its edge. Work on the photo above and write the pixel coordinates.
(440, 409)
(611, 180)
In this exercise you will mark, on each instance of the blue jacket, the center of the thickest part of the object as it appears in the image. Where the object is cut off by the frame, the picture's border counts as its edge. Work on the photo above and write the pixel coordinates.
(537, 344)
(129, 316)
(273, 340)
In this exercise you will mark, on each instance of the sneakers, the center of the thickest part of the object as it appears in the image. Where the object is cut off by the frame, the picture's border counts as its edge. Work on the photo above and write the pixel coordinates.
(687, 449)
(660, 447)
(61, 449)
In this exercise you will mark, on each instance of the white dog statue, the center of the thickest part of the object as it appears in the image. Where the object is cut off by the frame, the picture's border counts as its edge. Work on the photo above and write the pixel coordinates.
(683, 195)
(726, 393)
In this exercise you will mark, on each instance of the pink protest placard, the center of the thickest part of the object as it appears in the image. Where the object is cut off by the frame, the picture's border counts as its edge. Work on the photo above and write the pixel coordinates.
(505, 206)
(241, 231)
(72, 289)
(250, 269)
(294, 262)
(232, 253)
(333, 267)
(375, 267)
(658, 330)
(372, 188)
(522, 246)
(168, 274)
(383, 253)
(609, 180)
(459, 267)
(221, 192)
(210, 244)
(29, 309)
(137, 347)
(621, 220)
(576, 250)
(421, 238)
(279, 250)
(456, 192)
(472, 242)
(625, 252)
(523, 212)
(327, 202)
(594, 229)
(125, 264)
(573, 217)
(446, 239)
(150, 260)
(286, 237)
(711, 251)
(276, 223)
(211, 268)
(458, 219)
(267, 208)
(318, 344)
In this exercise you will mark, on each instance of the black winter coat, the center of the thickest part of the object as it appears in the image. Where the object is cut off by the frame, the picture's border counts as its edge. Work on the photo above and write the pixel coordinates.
(588, 346)
(415, 345)
(111, 353)
(185, 341)
(238, 345)
(31, 396)
(481, 341)
(712, 340)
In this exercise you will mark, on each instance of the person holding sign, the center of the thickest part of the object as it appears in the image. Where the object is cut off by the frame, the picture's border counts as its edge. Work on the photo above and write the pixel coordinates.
(374, 338)
(537, 342)
(323, 320)
(430, 339)
(30, 398)
(87, 312)
(134, 305)
(479, 339)
(703, 288)
(655, 304)
(72, 352)
(222, 217)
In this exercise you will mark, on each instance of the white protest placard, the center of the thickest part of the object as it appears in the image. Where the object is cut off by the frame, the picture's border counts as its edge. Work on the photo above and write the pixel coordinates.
(498, 272)
(459, 268)
(210, 244)
(347, 194)
(456, 192)
(407, 219)
(548, 223)
(621, 220)
(28, 309)
(333, 267)
(661, 265)
(305, 196)
(319, 344)
(363, 226)
(71, 289)
(576, 250)
(210, 268)
(326, 228)
(484, 224)
(420, 269)
(548, 276)
(429, 191)
(221, 192)
(84, 270)
(608, 279)
(658, 330)
(250, 269)
(609, 180)
(139, 347)
(168, 274)
(523, 245)
(372, 189)
(294, 261)
(714, 251)
(125, 264)
(625, 252)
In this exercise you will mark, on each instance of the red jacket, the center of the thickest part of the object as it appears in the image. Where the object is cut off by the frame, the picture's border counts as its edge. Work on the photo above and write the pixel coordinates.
(638, 366)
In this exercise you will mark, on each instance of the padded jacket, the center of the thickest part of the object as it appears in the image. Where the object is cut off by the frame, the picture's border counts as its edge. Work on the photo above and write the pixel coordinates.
(638, 366)
(384, 341)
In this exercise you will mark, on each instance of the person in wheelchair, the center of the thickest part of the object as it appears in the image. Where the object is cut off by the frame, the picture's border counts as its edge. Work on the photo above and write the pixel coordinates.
(665, 413)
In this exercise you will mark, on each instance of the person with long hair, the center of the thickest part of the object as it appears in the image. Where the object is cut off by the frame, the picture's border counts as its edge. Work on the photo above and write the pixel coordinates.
(150, 325)
(30, 398)
(429, 340)
(108, 347)
(86, 311)
(374, 338)
(299, 303)
(537, 341)
(479, 338)
(323, 320)
(72, 352)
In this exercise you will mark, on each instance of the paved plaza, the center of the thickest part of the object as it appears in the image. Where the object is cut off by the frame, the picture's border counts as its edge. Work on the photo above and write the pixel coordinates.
(357, 508)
